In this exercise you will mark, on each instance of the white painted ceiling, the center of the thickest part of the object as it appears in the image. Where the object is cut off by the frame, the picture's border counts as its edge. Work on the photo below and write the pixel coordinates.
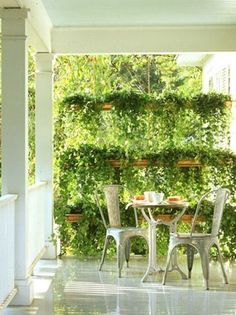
(88, 13)
(129, 26)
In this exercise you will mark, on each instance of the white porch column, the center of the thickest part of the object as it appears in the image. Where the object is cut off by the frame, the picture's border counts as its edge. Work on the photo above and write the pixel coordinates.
(15, 138)
(44, 139)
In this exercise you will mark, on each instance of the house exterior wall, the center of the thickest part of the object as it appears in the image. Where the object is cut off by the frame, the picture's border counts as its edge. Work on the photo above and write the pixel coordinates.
(219, 74)
(213, 68)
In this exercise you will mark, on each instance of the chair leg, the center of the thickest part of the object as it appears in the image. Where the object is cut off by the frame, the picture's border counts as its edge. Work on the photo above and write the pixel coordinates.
(127, 252)
(168, 261)
(205, 265)
(120, 255)
(221, 264)
(103, 253)
(190, 258)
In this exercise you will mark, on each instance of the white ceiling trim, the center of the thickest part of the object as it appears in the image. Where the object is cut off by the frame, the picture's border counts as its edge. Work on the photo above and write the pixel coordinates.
(123, 40)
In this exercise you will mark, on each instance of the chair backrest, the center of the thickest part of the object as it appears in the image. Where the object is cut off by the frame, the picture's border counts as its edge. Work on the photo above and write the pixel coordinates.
(220, 196)
(220, 200)
(113, 205)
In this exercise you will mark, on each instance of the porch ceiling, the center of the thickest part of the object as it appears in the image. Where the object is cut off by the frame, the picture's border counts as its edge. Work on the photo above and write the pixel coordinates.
(147, 26)
(103, 13)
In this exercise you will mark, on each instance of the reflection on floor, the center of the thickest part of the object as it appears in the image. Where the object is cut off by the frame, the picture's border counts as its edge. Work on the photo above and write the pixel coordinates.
(78, 288)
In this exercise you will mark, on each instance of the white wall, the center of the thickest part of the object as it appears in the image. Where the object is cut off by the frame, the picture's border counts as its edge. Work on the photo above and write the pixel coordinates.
(37, 207)
(7, 244)
(212, 65)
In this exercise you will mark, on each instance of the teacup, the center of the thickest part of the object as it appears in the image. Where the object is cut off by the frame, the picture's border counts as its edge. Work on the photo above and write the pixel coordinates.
(157, 197)
(148, 195)
(154, 197)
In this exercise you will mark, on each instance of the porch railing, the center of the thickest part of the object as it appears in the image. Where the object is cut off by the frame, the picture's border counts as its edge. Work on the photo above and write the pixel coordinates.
(7, 249)
(36, 224)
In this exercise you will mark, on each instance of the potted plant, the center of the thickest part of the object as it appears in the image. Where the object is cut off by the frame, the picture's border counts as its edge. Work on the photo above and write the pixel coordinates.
(74, 213)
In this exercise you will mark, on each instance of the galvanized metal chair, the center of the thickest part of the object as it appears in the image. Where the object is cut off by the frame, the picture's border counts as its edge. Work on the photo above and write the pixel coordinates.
(114, 230)
(202, 242)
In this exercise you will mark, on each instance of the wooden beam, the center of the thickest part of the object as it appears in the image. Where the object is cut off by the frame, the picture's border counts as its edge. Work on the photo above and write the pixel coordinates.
(149, 40)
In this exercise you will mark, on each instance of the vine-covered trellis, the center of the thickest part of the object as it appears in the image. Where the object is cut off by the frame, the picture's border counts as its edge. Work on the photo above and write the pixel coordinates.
(163, 131)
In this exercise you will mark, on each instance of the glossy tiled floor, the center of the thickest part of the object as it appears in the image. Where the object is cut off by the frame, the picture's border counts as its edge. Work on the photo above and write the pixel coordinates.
(78, 289)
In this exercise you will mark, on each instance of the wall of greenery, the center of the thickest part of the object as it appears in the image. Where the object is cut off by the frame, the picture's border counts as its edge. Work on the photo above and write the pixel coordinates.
(162, 129)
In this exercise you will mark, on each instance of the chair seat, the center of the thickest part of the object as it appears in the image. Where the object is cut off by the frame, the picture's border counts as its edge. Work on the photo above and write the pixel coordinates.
(127, 232)
(191, 236)
(126, 229)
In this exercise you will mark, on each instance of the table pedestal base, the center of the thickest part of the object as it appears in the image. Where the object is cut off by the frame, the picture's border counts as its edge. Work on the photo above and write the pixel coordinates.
(152, 256)
(152, 264)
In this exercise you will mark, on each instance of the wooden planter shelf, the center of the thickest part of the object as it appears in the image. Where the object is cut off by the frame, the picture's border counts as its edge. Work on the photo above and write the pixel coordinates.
(186, 218)
(118, 163)
(188, 163)
(108, 106)
(144, 163)
(73, 217)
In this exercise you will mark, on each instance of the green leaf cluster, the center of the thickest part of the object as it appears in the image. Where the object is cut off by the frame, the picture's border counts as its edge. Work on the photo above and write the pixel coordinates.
(165, 128)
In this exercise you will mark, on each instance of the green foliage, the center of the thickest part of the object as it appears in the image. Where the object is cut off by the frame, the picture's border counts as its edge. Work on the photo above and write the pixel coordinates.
(99, 75)
(31, 103)
(126, 101)
(164, 130)
(172, 120)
